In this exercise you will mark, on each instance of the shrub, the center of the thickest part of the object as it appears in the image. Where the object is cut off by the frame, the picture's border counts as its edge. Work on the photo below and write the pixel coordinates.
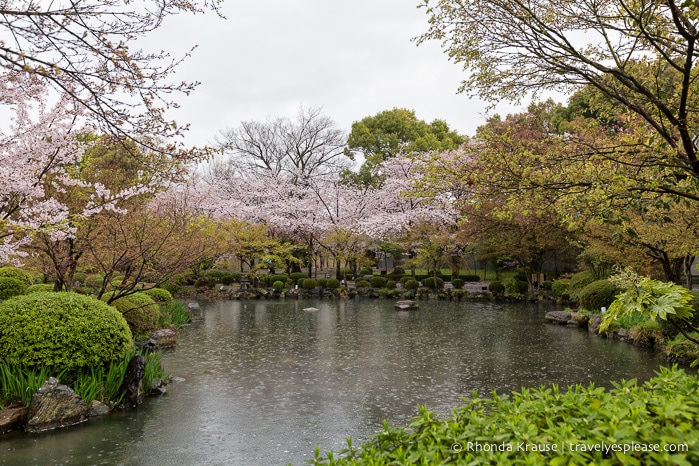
(420, 276)
(458, 283)
(411, 284)
(578, 282)
(515, 286)
(10, 287)
(366, 271)
(309, 284)
(433, 283)
(520, 276)
(628, 415)
(139, 310)
(546, 286)
(18, 274)
(348, 273)
(559, 288)
(61, 331)
(362, 284)
(228, 279)
(278, 285)
(378, 282)
(215, 273)
(390, 285)
(323, 282)
(670, 330)
(333, 283)
(37, 287)
(470, 278)
(598, 294)
(296, 277)
(496, 287)
(94, 281)
(397, 271)
(405, 279)
(159, 295)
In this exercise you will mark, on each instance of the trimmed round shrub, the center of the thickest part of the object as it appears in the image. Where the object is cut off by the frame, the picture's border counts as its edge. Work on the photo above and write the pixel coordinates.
(37, 287)
(458, 283)
(366, 271)
(578, 282)
(18, 274)
(598, 294)
(515, 286)
(333, 283)
(391, 285)
(309, 284)
(228, 279)
(405, 279)
(520, 276)
(61, 331)
(139, 310)
(296, 277)
(496, 287)
(559, 288)
(433, 283)
(278, 277)
(470, 278)
(278, 285)
(322, 282)
(411, 284)
(378, 282)
(159, 295)
(546, 285)
(10, 287)
(362, 284)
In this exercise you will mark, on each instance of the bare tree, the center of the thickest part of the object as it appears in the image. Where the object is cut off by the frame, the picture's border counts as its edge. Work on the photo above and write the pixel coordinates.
(308, 145)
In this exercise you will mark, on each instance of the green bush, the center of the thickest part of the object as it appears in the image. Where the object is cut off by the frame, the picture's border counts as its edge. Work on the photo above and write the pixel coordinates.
(159, 295)
(411, 285)
(37, 287)
(139, 310)
(362, 284)
(10, 287)
(546, 286)
(548, 425)
(513, 285)
(390, 285)
(215, 273)
(520, 276)
(470, 278)
(309, 284)
(598, 294)
(420, 276)
(333, 284)
(229, 279)
(670, 330)
(366, 271)
(347, 273)
(405, 279)
(397, 271)
(496, 287)
(559, 288)
(94, 281)
(297, 277)
(278, 285)
(378, 282)
(458, 283)
(322, 282)
(578, 282)
(18, 274)
(433, 283)
(62, 331)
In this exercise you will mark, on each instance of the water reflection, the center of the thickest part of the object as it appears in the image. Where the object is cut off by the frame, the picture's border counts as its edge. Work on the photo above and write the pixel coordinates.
(267, 381)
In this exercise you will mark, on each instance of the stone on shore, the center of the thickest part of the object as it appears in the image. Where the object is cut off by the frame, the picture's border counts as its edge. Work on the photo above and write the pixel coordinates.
(53, 406)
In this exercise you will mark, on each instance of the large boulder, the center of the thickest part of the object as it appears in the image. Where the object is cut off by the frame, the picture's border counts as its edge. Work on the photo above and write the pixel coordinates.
(53, 406)
(131, 387)
(558, 317)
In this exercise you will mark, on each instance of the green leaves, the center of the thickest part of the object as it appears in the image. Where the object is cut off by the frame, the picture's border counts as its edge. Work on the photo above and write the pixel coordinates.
(630, 424)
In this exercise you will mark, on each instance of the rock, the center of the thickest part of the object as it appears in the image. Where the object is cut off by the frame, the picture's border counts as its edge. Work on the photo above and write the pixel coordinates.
(55, 405)
(131, 387)
(164, 338)
(98, 409)
(311, 309)
(194, 307)
(558, 317)
(158, 388)
(12, 419)
(405, 305)
(594, 323)
(578, 319)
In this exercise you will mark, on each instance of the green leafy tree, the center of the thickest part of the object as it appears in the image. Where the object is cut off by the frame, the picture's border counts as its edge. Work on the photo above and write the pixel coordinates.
(390, 132)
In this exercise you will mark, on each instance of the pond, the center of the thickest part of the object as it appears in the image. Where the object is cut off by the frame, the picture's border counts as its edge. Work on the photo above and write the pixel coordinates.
(266, 382)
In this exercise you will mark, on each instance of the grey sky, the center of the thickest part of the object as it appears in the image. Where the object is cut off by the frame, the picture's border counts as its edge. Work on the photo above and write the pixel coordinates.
(352, 58)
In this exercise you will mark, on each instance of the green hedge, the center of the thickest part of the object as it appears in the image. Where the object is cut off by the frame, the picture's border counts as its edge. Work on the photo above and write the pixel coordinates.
(10, 287)
(470, 278)
(18, 274)
(378, 282)
(61, 331)
(159, 295)
(309, 284)
(139, 310)
(411, 284)
(577, 426)
(598, 294)
(433, 283)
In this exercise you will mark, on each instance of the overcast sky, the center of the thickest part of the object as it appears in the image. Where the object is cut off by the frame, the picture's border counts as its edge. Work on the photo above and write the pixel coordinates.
(352, 58)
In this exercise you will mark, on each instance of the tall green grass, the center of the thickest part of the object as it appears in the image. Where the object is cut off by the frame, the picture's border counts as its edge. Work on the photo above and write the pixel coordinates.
(18, 384)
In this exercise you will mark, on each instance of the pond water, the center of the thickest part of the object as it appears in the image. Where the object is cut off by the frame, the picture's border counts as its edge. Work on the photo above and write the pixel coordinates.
(266, 382)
